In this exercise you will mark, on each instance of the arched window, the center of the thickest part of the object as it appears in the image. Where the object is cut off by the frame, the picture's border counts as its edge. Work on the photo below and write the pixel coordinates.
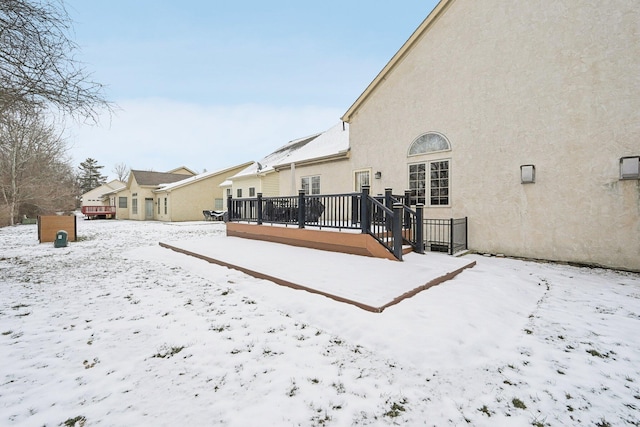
(429, 142)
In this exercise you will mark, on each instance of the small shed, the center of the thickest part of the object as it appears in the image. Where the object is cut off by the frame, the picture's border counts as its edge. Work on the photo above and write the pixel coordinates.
(49, 225)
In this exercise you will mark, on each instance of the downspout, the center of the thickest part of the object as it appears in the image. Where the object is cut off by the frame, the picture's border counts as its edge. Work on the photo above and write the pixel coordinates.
(293, 178)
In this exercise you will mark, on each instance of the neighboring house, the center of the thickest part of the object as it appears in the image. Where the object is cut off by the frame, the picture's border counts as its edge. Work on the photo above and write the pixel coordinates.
(185, 200)
(319, 166)
(261, 177)
(140, 197)
(316, 163)
(523, 117)
(120, 199)
(99, 196)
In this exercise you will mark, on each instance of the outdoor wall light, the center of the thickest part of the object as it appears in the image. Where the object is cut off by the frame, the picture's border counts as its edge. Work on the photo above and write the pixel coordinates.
(630, 167)
(378, 175)
(527, 174)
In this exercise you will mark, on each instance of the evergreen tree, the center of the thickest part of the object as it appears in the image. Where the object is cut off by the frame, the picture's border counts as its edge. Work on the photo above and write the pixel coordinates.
(90, 176)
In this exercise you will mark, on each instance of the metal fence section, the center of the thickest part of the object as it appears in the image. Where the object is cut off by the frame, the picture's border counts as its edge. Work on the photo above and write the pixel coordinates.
(445, 235)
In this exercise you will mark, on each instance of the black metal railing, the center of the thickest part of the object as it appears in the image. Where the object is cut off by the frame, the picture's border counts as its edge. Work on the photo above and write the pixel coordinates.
(323, 211)
(446, 235)
(387, 218)
(412, 220)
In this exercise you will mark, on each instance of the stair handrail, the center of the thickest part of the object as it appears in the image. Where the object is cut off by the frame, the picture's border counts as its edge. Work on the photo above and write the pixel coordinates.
(411, 220)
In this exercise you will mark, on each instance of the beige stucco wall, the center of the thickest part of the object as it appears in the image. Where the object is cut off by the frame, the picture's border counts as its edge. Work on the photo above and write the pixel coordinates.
(141, 193)
(186, 203)
(554, 84)
(122, 213)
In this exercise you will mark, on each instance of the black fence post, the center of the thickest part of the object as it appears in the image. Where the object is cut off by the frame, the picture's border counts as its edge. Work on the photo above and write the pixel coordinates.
(387, 198)
(259, 209)
(450, 236)
(466, 234)
(407, 203)
(230, 207)
(301, 212)
(407, 198)
(397, 230)
(364, 214)
(389, 204)
(419, 228)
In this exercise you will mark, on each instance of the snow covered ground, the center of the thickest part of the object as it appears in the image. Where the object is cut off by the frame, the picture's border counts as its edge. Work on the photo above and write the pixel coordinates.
(114, 330)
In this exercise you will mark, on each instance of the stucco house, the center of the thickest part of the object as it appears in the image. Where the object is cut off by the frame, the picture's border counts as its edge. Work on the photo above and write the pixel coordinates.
(184, 200)
(523, 117)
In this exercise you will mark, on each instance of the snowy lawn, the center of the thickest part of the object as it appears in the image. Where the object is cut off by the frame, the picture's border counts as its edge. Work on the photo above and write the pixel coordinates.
(116, 331)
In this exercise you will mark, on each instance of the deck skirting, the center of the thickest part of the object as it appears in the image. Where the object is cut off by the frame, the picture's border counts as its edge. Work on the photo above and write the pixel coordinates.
(326, 240)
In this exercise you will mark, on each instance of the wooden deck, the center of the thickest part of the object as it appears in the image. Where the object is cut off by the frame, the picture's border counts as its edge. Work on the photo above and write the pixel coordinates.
(392, 282)
(348, 241)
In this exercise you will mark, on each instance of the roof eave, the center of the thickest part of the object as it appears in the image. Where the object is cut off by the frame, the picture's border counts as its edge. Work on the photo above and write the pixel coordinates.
(328, 158)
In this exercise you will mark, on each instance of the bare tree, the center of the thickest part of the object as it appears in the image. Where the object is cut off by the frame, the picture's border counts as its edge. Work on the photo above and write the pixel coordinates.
(37, 63)
(35, 174)
(122, 172)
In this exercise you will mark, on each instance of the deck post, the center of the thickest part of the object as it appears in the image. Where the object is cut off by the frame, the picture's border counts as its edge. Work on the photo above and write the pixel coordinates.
(364, 214)
(301, 213)
(388, 223)
(230, 208)
(407, 214)
(419, 228)
(397, 230)
(259, 208)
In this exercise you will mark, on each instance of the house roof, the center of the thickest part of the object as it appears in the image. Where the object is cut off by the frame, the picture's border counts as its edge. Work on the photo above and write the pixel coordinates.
(266, 164)
(183, 167)
(331, 144)
(398, 57)
(114, 186)
(156, 178)
(109, 187)
(199, 177)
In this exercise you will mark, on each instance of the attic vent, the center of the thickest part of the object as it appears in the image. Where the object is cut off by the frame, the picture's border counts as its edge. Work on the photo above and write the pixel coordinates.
(630, 167)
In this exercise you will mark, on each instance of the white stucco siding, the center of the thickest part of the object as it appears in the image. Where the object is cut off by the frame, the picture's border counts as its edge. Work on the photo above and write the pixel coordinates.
(512, 84)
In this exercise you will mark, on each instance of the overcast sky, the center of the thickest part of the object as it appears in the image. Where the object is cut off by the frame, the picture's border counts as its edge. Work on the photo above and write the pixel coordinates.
(211, 84)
